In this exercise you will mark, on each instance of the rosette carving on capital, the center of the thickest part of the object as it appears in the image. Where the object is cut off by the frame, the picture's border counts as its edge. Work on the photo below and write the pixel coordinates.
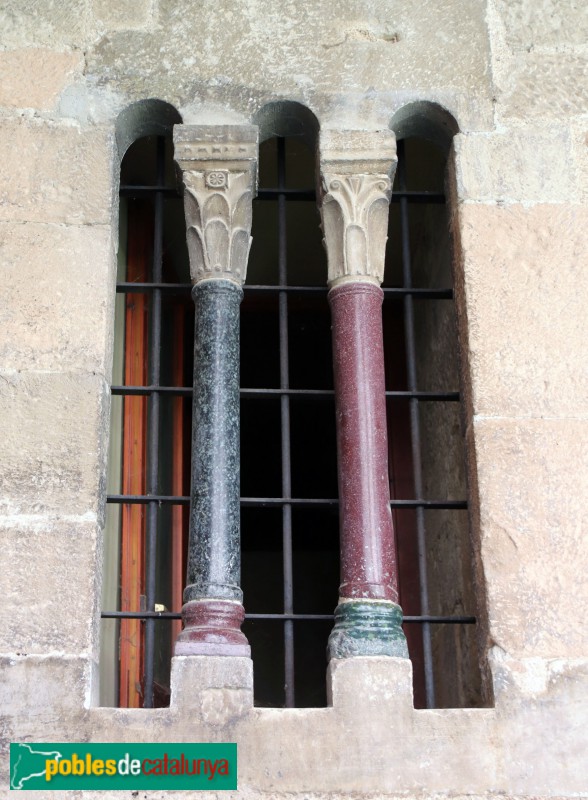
(218, 211)
(354, 213)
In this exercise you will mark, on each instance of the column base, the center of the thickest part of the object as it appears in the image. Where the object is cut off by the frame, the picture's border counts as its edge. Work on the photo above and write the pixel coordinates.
(212, 628)
(367, 628)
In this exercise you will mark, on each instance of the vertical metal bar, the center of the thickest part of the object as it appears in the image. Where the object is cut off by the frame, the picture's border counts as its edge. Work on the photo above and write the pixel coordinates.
(285, 428)
(153, 430)
(415, 429)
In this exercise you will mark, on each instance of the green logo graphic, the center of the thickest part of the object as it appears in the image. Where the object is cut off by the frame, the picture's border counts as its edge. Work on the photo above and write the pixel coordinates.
(123, 766)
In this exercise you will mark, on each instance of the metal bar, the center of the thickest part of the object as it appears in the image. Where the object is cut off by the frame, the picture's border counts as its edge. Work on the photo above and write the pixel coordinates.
(415, 431)
(153, 431)
(290, 194)
(248, 393)
(304, 502)
(389, 291)
(173, 615)
(418, 197)
(310, 194)
(285, 430)
(125, 287)
(128, 190)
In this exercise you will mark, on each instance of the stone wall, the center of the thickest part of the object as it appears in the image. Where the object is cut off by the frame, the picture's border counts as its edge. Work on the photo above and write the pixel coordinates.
(78, 82)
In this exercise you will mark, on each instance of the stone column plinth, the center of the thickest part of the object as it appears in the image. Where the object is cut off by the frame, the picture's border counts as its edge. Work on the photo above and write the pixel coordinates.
(356, 181)
(219, 166)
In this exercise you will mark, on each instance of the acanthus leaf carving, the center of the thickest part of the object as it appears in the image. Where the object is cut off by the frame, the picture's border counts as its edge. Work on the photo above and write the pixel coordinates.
(219, 169)
(354, 213)
(218, 221)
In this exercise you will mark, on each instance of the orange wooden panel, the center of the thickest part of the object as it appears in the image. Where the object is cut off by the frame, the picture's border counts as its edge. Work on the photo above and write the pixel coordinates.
(134, 461)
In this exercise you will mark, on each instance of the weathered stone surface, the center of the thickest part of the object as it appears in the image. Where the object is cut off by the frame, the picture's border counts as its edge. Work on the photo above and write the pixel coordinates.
(50, 693)
(55, 173)
(531, 516)
(398, 46)
(547, 86)
(375, 680)
(528, 164)
(580, 156)
(53, 429)
(50, 23)
(55, 278)
(525, 288)
(541, 86)
(529, 692)
(53, 72)
(217, 688)
(530, 24)
(124, 14)
(37, 615)
(539, 59)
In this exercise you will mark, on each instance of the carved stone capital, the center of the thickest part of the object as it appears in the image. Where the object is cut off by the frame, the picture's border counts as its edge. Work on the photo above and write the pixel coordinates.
(219, 170)
(357, 169)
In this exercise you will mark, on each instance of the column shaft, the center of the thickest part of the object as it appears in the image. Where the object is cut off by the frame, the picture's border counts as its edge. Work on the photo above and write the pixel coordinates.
(368, 558)
(213, 608)
(368, 618)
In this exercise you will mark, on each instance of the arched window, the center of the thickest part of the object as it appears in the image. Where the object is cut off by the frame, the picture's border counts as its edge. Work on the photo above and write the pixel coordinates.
(289, 522)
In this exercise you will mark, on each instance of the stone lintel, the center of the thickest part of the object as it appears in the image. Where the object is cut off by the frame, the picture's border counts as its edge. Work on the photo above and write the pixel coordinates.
(219, 171)
(358, 152)
(356, 173)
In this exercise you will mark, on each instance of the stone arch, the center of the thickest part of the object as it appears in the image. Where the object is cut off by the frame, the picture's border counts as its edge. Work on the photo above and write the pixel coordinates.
(287, 118)
(149, 117)
(425, 120)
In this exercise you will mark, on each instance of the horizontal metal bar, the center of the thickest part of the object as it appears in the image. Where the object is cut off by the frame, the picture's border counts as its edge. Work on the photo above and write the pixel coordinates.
(167, 615)
(278, 502)
(142, 499)
(389, 291)
(117, 391)
(250, 393)
(418, 197)
(127, 190)
(171, 615)
(130, 288)
(289, 194)
(328, 617)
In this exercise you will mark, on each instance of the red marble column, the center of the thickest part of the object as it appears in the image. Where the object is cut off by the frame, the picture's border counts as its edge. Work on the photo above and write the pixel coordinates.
(368, 618)
(368, 556)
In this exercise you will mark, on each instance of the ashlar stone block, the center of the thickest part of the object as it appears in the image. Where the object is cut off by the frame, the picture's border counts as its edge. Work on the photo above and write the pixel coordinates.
(530, 164)
(322, 58)
(49, 594)
(53, 429)
(52, 73)
(544, 87)
(526, 289)
(50, 23)
(533, 485)
(124, 14)
(55, 173)
(58, 294)
(542, 707)
(542, 23)
(580, 156)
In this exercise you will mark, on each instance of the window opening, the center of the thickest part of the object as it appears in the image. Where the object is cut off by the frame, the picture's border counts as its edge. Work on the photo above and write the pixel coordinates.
(427, 452)
(288, 457)
(288, 460)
